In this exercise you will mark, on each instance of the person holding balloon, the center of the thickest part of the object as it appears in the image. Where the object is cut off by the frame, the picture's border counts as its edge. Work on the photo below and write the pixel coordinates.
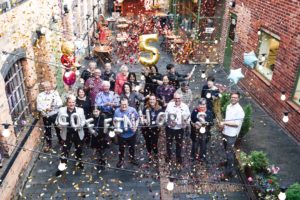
(69, 63)
(71, 120)
(201, 123)
(48, 104)
(151, 130)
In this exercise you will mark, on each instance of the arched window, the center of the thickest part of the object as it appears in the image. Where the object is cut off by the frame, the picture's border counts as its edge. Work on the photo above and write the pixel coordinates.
(16, 95)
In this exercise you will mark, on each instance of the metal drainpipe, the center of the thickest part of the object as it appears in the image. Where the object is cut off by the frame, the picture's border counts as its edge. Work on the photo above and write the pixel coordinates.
(198, 18)
(175, 17)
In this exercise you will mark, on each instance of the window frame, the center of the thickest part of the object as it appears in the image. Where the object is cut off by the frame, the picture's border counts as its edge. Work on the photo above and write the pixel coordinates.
(16, 94)
(271, 35)
(296, 101)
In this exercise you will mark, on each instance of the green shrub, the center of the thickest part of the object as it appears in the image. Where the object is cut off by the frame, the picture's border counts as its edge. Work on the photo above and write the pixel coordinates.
(259, 161)
(246, 126)
(225, 101)
(293, 192)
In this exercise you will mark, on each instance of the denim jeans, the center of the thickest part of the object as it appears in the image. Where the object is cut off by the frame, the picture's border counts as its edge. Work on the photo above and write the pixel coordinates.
(229, 149)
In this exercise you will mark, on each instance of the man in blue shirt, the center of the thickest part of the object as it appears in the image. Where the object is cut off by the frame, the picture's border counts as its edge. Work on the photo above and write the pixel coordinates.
(128, 134)
(107, 100)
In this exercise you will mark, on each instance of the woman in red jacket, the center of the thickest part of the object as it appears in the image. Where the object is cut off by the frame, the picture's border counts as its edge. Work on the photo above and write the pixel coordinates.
(121, 79)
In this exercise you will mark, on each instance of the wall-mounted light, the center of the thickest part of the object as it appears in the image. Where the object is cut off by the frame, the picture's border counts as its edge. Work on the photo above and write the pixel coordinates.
(4, 56)
(203, 75)
(258, 32)
(66, 9)
(285, 118)
(55, 18)
(263, 57)
(5, 131)
(282, 195)
(41, 32)
(170, 185)
(232, 4)
(283, 96)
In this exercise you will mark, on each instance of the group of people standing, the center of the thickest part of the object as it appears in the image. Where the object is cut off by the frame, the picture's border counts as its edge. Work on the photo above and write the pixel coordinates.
(119, 103)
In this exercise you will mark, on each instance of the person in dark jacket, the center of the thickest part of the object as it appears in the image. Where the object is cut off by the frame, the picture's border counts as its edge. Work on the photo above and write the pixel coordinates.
(99, 138)
(87, 73)
(201, 122)
(82, 101)
(109, 75)
(210, 92)
(174, 77)
(132, 96)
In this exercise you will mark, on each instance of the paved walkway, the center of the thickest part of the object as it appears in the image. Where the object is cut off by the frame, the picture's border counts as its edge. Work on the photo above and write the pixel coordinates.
(113, 184)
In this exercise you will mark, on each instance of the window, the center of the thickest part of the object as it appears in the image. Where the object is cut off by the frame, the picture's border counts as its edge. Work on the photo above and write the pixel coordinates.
(269, 45)
(232, 26)
(16, 95)
(296, 97)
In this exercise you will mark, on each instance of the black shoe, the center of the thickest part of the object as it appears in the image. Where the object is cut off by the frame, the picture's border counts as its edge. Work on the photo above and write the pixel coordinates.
(134, 162)
(202, 160)
(222, 164)
(120, 164)
(179, 160)
(101, 167)
(167, 159)
(58, 173)
(226, 176)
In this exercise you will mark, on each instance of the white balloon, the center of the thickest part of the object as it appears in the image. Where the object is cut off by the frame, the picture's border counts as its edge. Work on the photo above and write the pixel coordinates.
(106, 124)
(62, 120)
(75, 117)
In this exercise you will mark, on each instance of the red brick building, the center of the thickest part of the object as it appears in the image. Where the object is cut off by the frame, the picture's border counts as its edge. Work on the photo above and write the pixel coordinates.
(272, 30)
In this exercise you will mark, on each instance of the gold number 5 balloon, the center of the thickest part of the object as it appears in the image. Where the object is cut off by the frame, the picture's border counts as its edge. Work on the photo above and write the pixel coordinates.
(144, 46)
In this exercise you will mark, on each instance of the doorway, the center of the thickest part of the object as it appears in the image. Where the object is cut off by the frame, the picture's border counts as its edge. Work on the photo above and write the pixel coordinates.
(229, 42)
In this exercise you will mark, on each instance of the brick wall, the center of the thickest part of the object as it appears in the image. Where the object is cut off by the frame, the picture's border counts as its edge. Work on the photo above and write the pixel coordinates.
(9, 184)
(281, 18)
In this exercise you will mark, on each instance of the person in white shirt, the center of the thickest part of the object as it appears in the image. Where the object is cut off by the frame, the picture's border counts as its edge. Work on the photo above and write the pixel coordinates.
(178, 116)
(48, 104)
(232, 125)
(186, 93)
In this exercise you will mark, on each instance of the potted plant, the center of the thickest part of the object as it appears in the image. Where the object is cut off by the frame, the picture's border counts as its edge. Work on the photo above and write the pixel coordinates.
(293, 192)
(259, 161)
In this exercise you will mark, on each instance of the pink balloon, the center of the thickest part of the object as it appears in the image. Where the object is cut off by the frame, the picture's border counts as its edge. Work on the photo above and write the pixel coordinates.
(69, 77)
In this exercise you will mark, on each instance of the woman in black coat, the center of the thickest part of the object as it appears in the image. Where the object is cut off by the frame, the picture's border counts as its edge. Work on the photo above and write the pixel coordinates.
(99, 138)
(82, 101)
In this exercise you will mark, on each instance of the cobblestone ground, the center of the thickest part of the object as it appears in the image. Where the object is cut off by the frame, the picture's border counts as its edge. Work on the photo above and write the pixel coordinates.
(110, 183)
